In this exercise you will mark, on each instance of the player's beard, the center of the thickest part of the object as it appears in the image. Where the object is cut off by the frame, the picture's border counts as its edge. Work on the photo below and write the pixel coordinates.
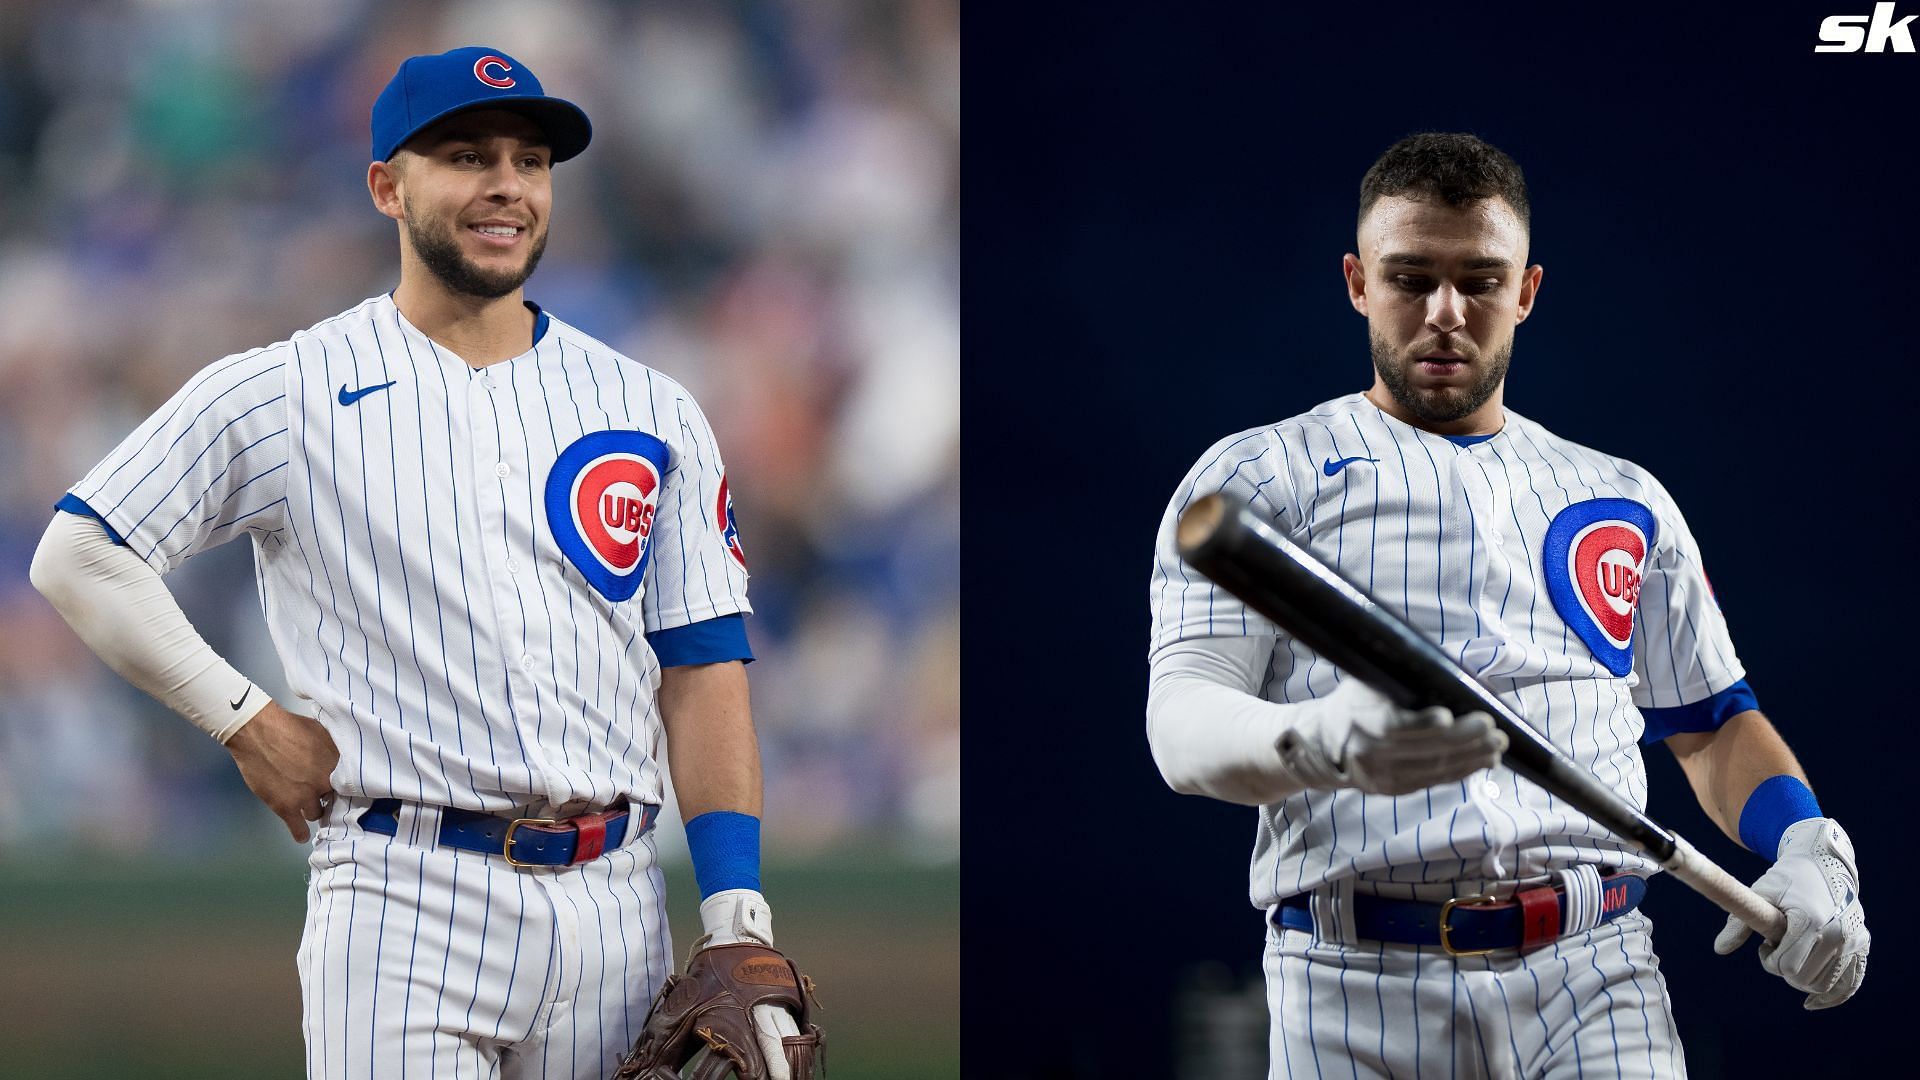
(1438, 404)
(439, 251)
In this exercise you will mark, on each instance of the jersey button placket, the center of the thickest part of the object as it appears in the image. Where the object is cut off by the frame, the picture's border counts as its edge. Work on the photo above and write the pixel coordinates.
(1477, 488)
(502, 498)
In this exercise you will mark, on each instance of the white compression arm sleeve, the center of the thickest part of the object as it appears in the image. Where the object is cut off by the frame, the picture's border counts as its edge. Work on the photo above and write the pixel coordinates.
(1210, 734)
(123, 611)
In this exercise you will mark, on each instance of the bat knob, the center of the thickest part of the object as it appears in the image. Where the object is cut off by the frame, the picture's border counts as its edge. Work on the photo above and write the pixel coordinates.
(1199, 523)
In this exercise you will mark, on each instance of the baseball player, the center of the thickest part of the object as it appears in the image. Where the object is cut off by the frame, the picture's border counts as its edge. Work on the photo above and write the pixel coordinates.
(499, 563)
(1427, 911)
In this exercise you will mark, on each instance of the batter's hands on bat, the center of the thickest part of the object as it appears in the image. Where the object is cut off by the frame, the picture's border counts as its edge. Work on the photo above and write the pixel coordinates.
(1815, 881)
(287, 761)
(1355, 737)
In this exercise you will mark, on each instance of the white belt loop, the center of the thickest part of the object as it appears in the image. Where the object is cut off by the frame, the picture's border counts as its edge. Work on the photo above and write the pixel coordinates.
(1331, 906)
(1582, 903)
(636, 813)
(417, 825)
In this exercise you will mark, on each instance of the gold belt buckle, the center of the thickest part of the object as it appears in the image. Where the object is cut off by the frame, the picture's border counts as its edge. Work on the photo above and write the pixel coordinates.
(1446, 913)
(507, 850)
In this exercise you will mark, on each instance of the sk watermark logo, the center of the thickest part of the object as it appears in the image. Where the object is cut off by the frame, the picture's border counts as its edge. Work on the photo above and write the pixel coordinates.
(1866, 33)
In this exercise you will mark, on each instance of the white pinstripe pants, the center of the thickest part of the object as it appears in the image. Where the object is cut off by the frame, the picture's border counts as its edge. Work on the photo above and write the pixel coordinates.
(1592, 1005)
(422, 961)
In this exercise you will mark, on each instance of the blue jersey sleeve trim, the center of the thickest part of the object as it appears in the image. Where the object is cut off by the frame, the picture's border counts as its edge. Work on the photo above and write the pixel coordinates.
(710, 641)
(1777, 803)
(1705, 715)
(74, 504)
(725, 846)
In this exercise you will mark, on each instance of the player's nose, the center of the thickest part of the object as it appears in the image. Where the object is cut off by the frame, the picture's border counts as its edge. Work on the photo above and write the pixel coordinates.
(505, 180)
(1446, 309)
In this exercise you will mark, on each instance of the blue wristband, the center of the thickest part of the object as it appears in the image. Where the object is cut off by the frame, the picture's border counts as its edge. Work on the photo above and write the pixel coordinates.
(1777, 803)
(725, 846)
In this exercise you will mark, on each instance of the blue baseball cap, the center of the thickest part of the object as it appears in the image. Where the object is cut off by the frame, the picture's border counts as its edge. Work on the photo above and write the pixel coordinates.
(430, 88)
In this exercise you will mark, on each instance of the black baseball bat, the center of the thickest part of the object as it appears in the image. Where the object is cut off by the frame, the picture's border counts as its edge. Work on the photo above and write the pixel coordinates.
(1328, 614)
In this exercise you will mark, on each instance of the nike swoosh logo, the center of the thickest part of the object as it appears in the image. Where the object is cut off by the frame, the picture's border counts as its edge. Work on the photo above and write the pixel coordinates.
(1333, 466)
(235, 705)
(348, 397)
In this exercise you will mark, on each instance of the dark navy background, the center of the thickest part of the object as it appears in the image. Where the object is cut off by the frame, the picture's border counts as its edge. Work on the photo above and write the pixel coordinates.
(1156, 206)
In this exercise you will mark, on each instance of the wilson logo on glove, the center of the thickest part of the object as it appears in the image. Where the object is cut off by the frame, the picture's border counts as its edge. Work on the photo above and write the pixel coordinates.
(764, 973)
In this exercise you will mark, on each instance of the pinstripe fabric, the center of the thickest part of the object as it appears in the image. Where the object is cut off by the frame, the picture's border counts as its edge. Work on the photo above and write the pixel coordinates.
(409, 573)
(421, 598)
(1593, 1005)
(422, 961)
(1451, 538)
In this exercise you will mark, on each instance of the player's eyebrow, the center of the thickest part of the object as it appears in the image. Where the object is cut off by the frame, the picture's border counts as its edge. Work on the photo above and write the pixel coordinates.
(1478, 262)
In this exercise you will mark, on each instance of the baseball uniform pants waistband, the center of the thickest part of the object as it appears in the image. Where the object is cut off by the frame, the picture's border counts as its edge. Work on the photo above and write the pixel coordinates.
(1471, 925)
(525, 841)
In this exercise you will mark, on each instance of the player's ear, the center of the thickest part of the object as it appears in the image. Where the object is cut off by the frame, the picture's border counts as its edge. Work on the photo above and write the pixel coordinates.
(1356, 281)
(1529, 288)
(383, 183)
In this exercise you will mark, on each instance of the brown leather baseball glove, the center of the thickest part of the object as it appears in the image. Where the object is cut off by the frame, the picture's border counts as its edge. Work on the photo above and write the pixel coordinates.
(702, 1025)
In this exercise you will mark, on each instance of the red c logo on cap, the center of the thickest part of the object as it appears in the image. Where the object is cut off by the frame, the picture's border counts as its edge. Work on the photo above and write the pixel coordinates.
(502, 81)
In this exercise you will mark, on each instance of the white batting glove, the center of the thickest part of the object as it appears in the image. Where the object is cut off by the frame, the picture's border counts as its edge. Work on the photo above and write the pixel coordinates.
(1355, 737)
(1814, 880)
(733, 916)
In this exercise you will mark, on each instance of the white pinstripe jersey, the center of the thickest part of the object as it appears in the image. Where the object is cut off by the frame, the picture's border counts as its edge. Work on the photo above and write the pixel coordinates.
(1501, 552)
(459, 568)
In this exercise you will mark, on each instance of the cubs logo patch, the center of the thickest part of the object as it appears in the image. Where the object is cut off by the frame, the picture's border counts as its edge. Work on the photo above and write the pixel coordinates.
(1594, 560)
(729, 529)
(601, 497)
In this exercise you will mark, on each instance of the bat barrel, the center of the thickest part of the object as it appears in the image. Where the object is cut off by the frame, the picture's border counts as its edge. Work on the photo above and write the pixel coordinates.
(1321, 610)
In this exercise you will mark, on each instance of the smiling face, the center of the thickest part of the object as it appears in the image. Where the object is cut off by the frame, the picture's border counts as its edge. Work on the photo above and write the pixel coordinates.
(1443, 288)
(473, 194)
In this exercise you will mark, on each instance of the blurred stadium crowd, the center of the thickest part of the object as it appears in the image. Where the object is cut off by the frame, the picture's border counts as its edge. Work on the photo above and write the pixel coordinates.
(769, 213)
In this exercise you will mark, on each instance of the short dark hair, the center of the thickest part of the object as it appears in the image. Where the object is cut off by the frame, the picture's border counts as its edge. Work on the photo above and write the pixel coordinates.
(1454, 167)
